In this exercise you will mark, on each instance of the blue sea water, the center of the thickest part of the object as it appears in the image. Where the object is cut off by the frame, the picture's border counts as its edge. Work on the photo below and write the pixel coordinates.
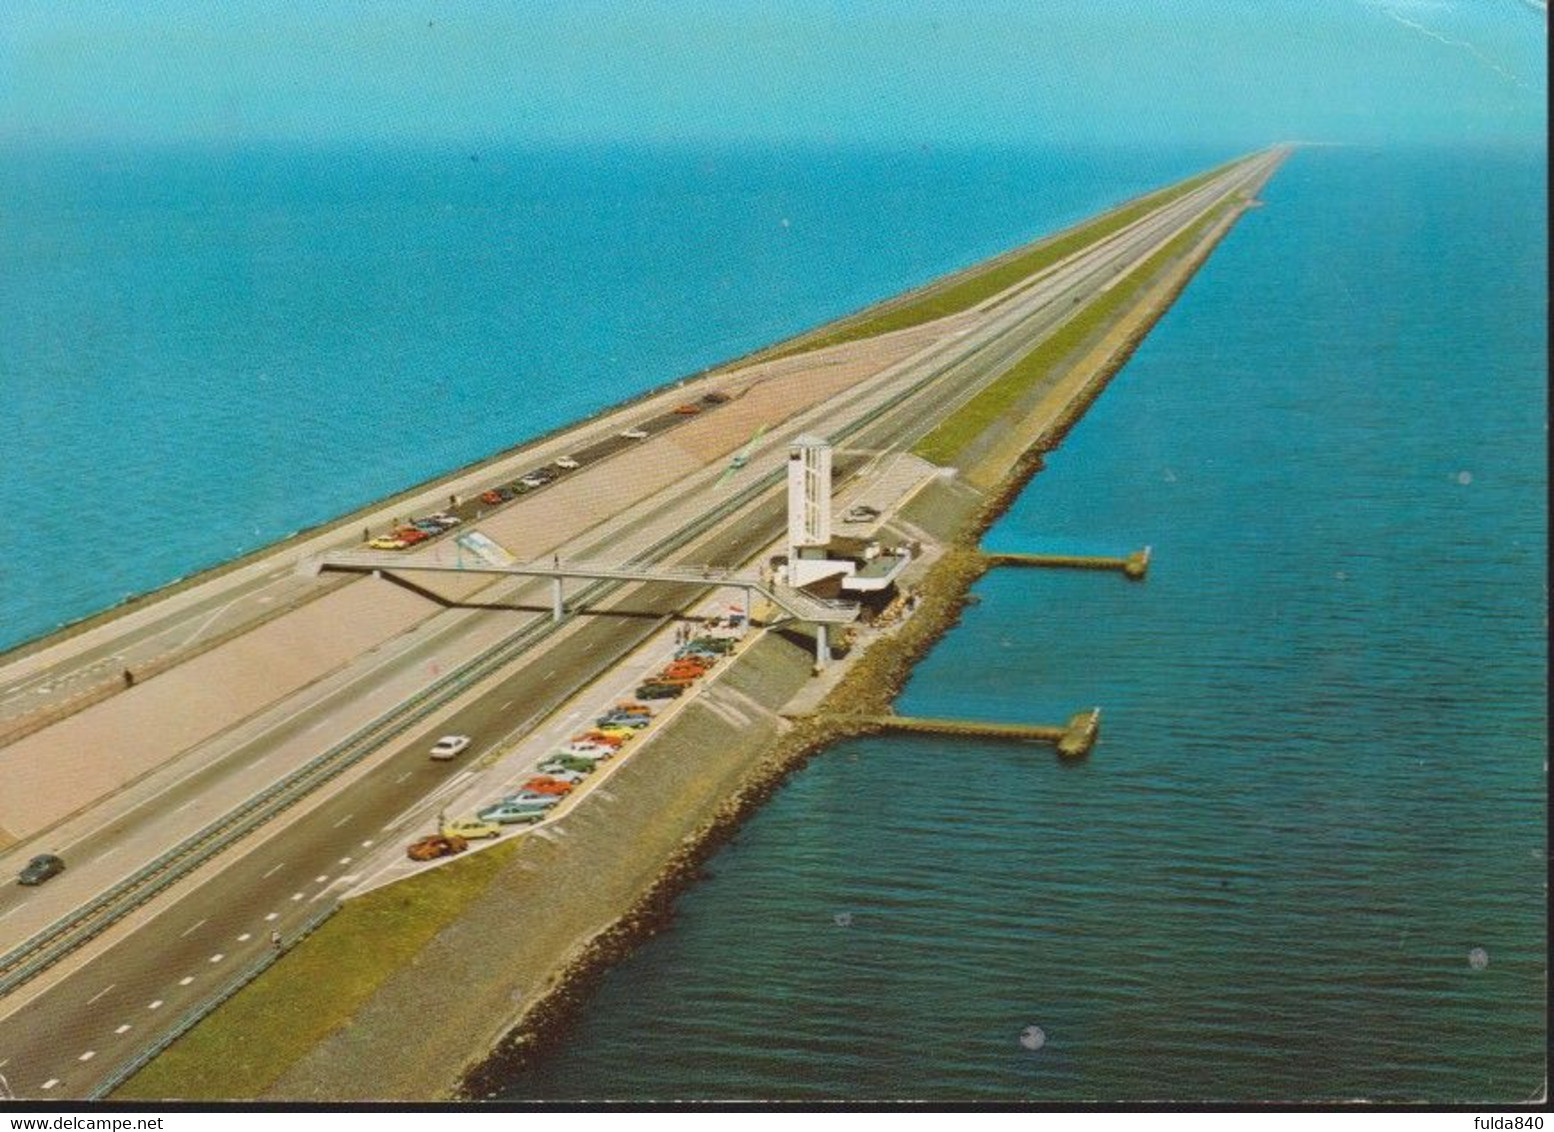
(1308, 859)
(206, 349)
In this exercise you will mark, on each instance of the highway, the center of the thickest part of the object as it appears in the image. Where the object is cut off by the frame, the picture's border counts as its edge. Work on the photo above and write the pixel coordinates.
(65, 1033)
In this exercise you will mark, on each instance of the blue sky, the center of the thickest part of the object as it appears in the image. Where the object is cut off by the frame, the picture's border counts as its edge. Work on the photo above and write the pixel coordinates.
(1219, 72)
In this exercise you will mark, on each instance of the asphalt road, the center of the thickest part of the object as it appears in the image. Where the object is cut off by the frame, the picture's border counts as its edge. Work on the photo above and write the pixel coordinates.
(73, 1034)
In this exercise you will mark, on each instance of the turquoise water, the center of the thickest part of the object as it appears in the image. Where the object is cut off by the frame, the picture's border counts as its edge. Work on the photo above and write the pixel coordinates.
(1308, 859)
(203, 350)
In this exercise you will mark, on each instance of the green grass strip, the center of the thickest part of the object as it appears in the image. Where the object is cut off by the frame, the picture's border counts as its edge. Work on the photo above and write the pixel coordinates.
(245, 1046)
(969, 290)
(949, 439)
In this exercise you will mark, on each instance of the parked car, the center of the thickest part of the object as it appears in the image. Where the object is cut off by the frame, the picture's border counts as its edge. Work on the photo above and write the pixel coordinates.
(561, 774)
(471, 828)
(634, 434)
(860, 513)
(509, 811)
(657, 691)
(533, 799)
(40, 869)
(430, 848)
(715, 398)
(492, 497)
(411, 535)
(445, 520)
(598, 751)
(507, 491)
(449, 746)
(431, 528)
(605, 737)
(388, 542)
(624, 719)
(567, 464)
(633, 705)
(532, 481)
(568, 762)
(687, 410)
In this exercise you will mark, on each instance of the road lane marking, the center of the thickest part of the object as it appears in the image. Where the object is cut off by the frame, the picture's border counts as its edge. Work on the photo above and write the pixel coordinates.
(298, 895)
(273, 871)
(271, 916)
(88, 1055)
(155, 1004)
(367, 844)
(345, 860)
(191, 928)
(123, 1029)
(321, 880)
(100, 993)
(343, 820)
(186, 980)
(13, 911)
(245, 937)
(402, 777)
(51, 1082)
(218, 957)
(506, 704)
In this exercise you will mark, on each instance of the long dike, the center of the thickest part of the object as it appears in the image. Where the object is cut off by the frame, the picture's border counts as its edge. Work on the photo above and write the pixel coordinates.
(527, 975)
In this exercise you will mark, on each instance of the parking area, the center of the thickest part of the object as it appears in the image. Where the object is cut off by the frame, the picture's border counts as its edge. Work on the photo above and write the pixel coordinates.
(521, 787)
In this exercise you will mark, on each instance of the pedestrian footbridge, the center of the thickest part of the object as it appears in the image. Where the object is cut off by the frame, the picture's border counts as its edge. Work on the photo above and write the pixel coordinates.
(798, 605)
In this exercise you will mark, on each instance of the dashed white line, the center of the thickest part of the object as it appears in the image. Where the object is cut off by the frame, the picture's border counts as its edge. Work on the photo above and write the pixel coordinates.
(273, 871)
(51, 1082)
(245, 937)
(367, 844)
(13, 911)
(186, 980)
(218, 957)
(321, 880)
(186, 805)
(402, 777)
(123, 1029)
(88, 1055)
(100, 993)
(271, 916)
(345, 860)
(343, 820)
(154, 1004)
(191, 928)
(298, 895)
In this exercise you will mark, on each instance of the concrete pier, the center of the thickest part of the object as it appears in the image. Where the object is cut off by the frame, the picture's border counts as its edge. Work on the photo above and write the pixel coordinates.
(1134, 566)
(1073, 739)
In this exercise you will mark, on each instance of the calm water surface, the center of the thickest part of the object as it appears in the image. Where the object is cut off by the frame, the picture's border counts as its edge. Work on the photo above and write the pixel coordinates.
(1322, 780)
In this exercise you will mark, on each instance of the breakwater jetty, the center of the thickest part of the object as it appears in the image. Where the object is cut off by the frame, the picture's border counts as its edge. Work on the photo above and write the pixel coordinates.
(1073, 739)
(1133, 566)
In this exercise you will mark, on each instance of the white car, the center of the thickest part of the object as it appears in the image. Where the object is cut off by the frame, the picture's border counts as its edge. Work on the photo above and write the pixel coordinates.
(531, 482)
(445, 520)
(634, 434)
(589, 750)
(449, 746)
(567, 464)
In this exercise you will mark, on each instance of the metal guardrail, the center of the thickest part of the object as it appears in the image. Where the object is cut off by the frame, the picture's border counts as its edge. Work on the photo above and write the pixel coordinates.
(195, 1014)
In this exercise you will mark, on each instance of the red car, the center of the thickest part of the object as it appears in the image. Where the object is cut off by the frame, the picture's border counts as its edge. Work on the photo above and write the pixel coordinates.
(410, 536)
(687, 411)
(491, 497)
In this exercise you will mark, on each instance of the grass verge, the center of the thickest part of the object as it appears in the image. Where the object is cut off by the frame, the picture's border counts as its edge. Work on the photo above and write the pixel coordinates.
(951, 436)
(243, 1047)
(964, 292)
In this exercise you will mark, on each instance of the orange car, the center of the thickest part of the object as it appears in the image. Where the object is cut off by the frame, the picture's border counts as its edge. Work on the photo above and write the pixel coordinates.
(599, 737)
(687, 410)
(544, 784)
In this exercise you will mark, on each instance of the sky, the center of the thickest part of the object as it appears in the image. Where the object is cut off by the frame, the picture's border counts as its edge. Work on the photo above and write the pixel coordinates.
(831, 72)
